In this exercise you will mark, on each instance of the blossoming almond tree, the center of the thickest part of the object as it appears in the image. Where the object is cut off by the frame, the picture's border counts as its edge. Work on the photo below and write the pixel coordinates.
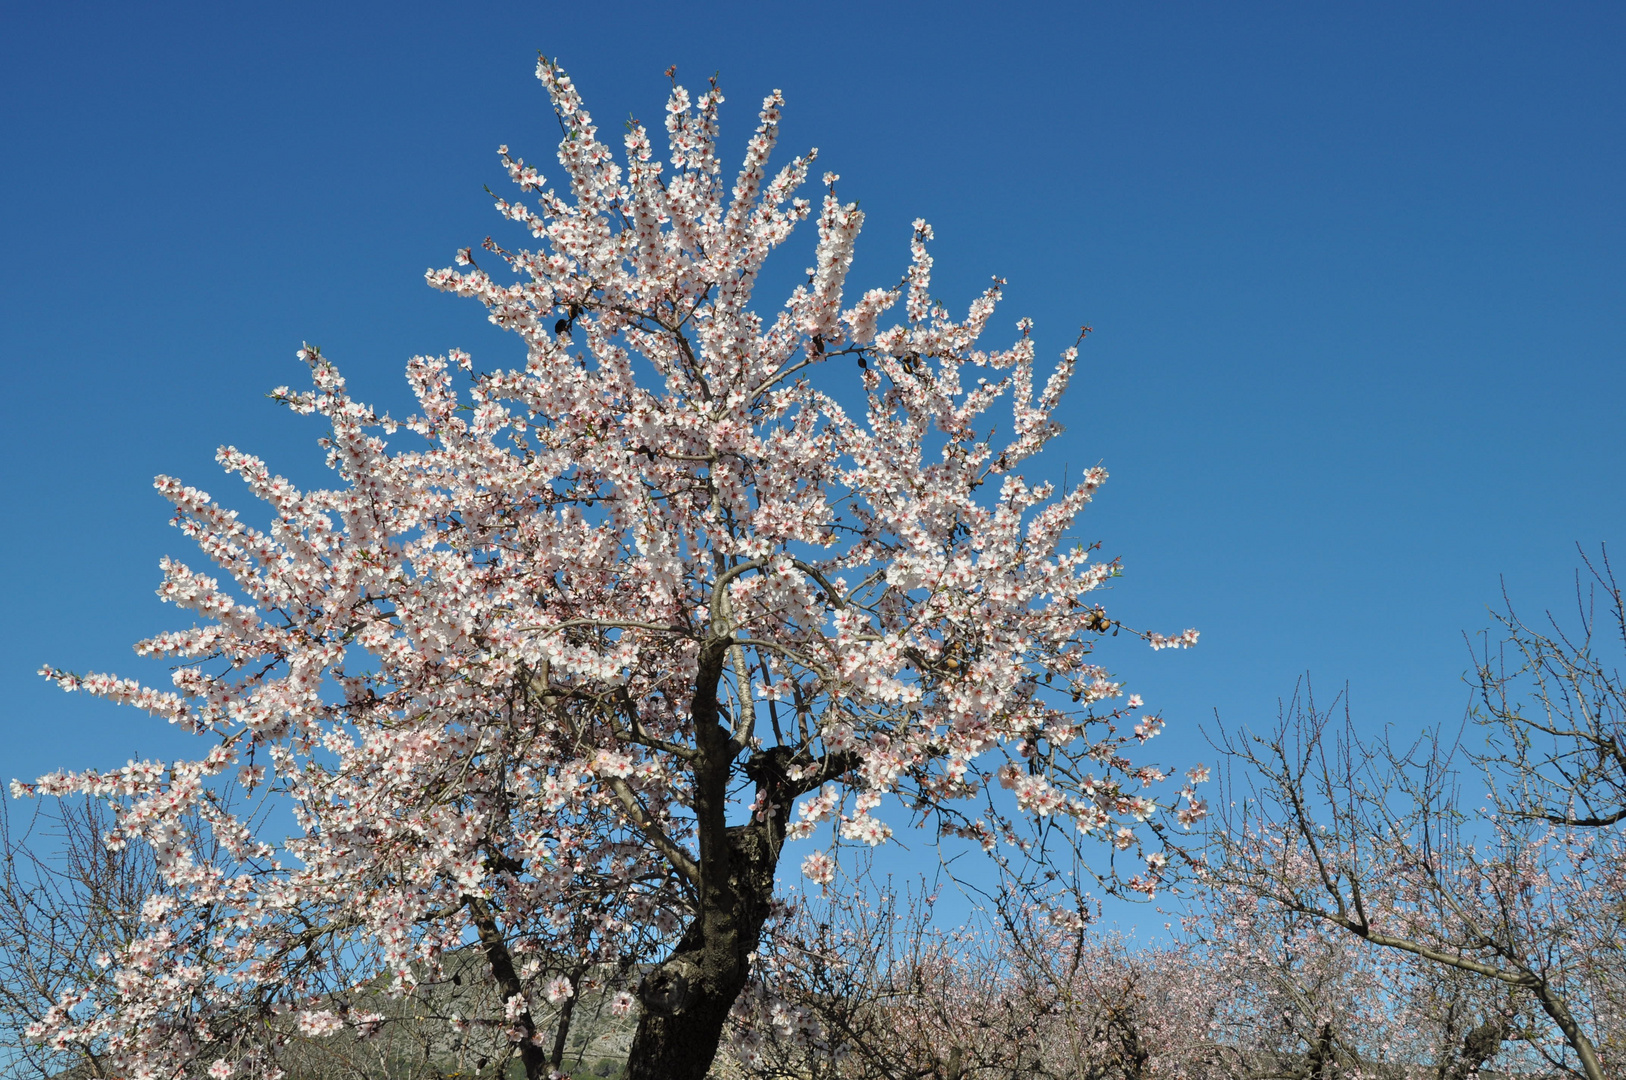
(1302, 996)
(870, 988)
(560, 666)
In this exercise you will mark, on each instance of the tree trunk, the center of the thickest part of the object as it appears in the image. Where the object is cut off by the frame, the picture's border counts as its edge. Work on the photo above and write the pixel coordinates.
(1322, 1064)
(567, 1009)
(687, 999)
(1133, 1055)
(1481, 1045)
(501, 961)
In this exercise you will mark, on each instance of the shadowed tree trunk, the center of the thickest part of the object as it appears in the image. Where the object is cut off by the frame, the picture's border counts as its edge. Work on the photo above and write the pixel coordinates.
(1479, 1046)
(1321, 1065)
(687, 998)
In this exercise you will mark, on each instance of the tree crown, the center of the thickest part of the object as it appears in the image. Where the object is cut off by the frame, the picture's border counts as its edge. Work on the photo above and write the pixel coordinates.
(515, 677)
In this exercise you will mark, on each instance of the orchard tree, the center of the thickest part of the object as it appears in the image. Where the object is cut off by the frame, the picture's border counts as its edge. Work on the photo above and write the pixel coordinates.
(869, 986)
(1384, 845)
(1303, 997)
(65, 899)
(1552, 697)
(867, 990)
(550, 666)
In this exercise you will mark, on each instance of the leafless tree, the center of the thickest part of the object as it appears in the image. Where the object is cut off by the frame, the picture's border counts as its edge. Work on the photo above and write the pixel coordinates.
(66, 899)
(883, 992)
(1376, 840)
(1554, 702)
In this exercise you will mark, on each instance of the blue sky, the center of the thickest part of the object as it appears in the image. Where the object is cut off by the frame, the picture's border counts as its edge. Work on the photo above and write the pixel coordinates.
(1354, 273)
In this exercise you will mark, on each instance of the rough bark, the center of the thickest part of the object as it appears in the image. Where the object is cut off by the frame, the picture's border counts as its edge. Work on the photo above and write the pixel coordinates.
(1322, 1064)
(1133, 1052)
(687, 999)
(1479, 1046)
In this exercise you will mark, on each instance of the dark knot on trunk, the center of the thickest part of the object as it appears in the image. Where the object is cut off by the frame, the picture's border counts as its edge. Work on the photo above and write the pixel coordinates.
(670, 988)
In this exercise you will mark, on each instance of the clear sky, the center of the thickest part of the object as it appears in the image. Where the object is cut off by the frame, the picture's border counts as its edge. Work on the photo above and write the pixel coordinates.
(1355, 275)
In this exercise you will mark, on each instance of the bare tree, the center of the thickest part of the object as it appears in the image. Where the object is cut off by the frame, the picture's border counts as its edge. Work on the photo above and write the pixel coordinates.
(1376, 841)
(1554, 703)
(67, 901)
(1552, 699)
(1306, 999)
(882, 992)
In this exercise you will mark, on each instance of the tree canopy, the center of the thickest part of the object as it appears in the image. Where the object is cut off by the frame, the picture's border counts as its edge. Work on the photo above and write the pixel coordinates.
(547, 670)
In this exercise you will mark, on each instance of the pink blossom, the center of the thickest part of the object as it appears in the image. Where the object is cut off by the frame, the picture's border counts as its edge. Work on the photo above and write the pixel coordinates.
(819, 867)
(319, 1023)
